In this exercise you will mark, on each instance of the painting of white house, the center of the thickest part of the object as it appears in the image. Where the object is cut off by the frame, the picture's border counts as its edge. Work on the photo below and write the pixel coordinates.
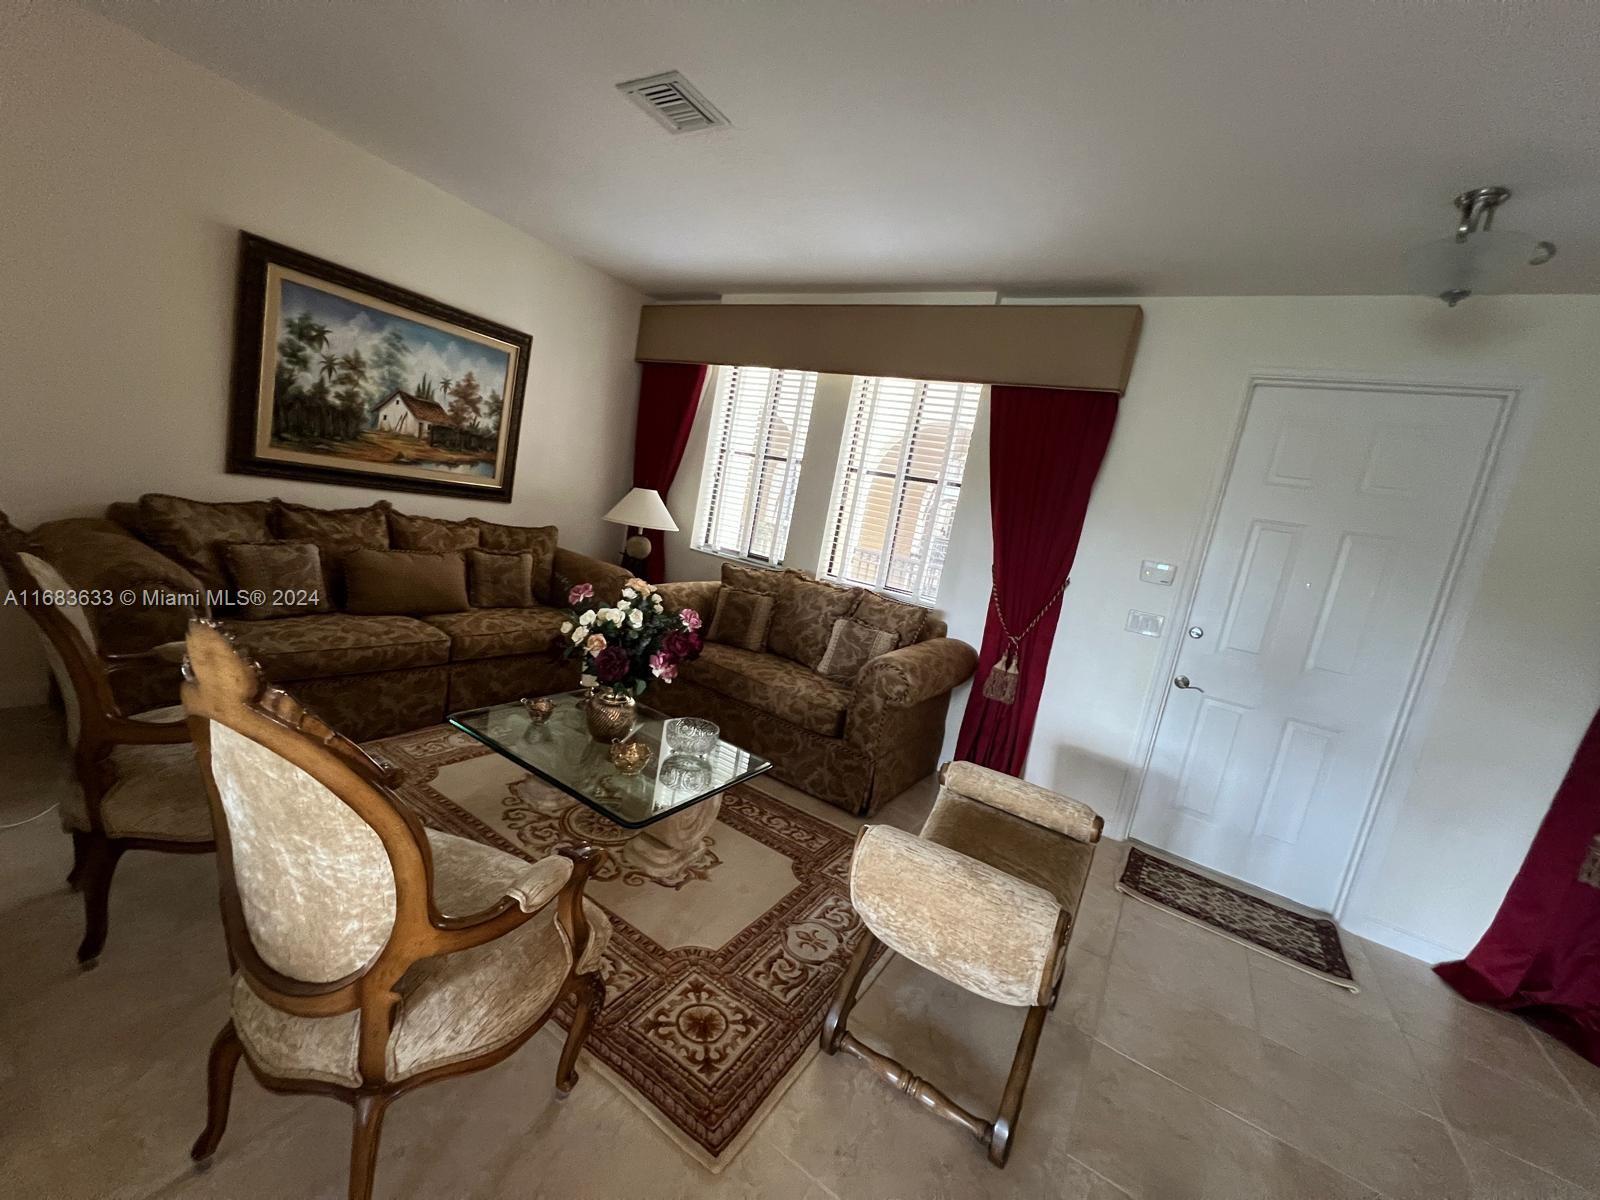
(354, 382)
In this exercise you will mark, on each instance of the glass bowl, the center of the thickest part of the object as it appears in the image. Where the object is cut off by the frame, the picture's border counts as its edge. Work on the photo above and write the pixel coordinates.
(694, 736)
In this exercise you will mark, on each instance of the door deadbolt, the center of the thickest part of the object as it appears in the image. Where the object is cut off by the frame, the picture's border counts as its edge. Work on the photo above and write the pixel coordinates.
(1196, 632)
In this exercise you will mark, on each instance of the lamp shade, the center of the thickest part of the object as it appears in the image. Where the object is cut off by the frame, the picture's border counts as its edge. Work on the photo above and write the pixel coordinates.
(644, 508)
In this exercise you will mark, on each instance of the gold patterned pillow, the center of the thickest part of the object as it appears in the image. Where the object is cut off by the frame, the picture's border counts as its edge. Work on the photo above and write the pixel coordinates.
(761, 580)
(430, 533)
(742, 619)
(189, 531)
(537, 540)
(405, 582)
(335, 532)
(802, 620)
(275, 579)
(500, 578)
(852, 646)
(904, 621)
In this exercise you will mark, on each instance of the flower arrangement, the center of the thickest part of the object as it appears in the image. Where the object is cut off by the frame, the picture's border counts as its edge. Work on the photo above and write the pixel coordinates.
(624, 646)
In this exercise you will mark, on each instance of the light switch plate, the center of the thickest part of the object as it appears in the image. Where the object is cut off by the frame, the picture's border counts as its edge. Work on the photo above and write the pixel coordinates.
(1144, 624)
(1152, 571)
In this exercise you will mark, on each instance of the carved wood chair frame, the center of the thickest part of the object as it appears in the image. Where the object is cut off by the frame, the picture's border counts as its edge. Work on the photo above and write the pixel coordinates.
(222, 685)
(102, 727)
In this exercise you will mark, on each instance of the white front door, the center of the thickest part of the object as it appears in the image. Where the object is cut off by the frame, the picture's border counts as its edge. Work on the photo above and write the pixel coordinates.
(1343, 515)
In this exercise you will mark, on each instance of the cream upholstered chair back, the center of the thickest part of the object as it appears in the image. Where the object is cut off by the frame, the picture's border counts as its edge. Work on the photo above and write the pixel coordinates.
(64, 628)
(314, 882)
(309, 839)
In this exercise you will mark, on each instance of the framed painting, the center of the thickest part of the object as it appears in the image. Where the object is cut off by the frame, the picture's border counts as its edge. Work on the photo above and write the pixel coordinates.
(344, 378)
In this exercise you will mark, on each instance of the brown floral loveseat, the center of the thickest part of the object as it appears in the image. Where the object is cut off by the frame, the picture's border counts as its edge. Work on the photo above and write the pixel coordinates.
(854, 732)
(369, 673)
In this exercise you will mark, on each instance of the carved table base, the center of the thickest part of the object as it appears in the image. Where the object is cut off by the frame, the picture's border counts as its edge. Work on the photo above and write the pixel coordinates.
(664, 850)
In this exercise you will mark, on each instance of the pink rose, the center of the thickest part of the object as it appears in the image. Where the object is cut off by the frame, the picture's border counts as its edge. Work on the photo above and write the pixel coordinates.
(581, 592)
(596, 643)
(690, 619)
(663, 667)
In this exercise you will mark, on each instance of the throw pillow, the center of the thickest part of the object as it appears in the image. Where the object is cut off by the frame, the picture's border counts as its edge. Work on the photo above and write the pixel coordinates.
(762, 580)
(904, 620)
(190, 531)
(430, 533)
(334, 531)
(286, 574)
(742, 619)
(852, 646)
(537, 540)
(500, 578)
(408, 582)
(803, 618)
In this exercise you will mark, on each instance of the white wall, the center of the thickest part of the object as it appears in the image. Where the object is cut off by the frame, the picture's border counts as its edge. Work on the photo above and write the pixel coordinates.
(126, 174)
(1512, 693)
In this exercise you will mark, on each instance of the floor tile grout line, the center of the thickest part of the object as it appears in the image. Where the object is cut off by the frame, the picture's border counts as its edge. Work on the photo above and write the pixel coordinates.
(1539, 1040)
(1100, 1175)
(797, 1165)
(1243, 1120)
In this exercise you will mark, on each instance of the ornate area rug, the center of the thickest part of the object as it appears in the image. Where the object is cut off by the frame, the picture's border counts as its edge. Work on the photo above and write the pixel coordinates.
(717, 981)
(1310, 943)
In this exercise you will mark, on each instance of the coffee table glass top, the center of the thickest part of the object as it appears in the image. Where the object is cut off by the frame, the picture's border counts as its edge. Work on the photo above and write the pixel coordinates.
(561, 752)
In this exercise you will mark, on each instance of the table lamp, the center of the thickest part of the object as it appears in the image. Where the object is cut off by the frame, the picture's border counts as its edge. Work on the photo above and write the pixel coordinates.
(641, 509)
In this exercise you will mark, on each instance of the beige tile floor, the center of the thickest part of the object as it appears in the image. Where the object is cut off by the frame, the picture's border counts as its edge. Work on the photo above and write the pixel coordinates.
(1178, 1065)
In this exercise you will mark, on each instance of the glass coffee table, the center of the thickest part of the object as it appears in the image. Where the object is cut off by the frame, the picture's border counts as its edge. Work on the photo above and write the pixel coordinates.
(672, 802)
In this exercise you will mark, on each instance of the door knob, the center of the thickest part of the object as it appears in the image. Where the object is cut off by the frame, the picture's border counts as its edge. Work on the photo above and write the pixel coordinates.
(1182, 682)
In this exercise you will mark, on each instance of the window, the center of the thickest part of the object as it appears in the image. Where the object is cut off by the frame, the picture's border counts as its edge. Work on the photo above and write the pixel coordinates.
(753, 457)
(894, 499)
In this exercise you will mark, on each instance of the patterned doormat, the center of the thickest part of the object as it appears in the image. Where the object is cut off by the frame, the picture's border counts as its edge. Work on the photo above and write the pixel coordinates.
(1310, 943)
(716, 982)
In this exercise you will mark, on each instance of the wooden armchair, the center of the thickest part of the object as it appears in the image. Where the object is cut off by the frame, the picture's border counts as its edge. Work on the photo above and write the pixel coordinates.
(139, 786)
(985, 896)
(371, 955)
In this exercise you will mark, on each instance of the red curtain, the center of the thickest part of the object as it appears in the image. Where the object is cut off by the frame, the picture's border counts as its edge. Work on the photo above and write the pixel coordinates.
(1045, 449)
(1541, 955)
(669, 393)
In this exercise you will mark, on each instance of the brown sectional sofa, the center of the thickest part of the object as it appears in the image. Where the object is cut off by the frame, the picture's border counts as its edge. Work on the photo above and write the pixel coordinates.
(855, 743)
(369, 675)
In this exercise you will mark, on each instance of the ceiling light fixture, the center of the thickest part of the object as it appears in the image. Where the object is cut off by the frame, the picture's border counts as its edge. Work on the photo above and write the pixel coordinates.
(1477, 257)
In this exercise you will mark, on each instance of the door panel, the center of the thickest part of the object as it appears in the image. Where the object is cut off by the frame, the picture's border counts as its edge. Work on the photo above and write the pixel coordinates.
(1340, 520)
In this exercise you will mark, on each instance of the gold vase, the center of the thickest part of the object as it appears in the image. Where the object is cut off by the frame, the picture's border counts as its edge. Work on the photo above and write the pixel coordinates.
(609, 715)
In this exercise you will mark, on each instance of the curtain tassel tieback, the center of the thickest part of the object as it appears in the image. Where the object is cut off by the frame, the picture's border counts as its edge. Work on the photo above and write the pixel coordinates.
(1002, 683)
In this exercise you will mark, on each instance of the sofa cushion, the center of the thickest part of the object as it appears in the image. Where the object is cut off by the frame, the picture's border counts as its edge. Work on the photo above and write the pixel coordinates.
(904, 621)
(286, 577)
(752, 579)
(774, 685)
(497, 632)
(189, 531)
(500, 578)
(743, 619)
(430, 533)
(803, 620)
(405, 582)
(538, 540)
(330, 644)
(851, 647)
(335, 532)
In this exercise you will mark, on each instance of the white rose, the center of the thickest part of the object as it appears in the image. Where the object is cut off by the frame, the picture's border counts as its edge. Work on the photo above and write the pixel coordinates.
(586, 619)
(636, 619)
(629, 594)
(566, 627)
(578, 636)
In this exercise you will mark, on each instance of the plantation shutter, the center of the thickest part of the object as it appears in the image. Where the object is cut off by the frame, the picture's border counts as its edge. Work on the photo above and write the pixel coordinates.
(753, 461)
(905, 453)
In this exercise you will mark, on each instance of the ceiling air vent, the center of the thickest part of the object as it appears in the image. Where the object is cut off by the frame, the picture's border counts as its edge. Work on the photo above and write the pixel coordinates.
(675, 102)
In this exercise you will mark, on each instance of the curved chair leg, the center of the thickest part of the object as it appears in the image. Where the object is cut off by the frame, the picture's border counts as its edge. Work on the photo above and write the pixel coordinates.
(845, 998)
(100, 864)
(80, 857)
(367, 1128)
(224, 1060)
(1004, 1129)
(590, 999)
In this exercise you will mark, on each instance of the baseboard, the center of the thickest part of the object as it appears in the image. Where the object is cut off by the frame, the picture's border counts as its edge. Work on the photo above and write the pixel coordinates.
(1402, 940)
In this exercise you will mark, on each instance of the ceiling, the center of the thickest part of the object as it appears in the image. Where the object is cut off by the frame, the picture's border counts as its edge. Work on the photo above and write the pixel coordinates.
(1234, 147)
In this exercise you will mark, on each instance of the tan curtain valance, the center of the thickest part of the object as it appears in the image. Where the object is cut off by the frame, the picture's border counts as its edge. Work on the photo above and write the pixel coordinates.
(1087, 346)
